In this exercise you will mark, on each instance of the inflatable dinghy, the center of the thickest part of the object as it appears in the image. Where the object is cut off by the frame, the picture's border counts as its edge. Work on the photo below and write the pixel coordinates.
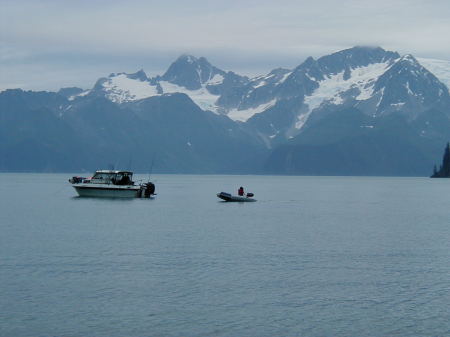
(229, 197)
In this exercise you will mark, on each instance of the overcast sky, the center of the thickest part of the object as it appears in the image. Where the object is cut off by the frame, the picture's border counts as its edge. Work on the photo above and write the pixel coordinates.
(45, 45)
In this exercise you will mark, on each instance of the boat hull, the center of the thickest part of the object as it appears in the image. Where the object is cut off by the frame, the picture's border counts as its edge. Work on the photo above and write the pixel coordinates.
(234, 198)
(108, 191)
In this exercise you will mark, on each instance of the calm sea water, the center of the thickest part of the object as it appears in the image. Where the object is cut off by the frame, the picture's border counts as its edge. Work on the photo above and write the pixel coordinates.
(315, 256)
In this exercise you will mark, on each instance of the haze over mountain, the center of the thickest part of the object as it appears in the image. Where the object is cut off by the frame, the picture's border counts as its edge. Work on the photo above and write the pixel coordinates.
(360, 111)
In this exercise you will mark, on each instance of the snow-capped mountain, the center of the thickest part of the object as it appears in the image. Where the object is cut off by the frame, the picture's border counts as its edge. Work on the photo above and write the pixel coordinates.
(410, 88)
(189, 75)
(387, 85)
(383, 96)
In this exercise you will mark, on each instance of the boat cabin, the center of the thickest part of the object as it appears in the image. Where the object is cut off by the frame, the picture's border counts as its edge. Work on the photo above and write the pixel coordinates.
(112, 177)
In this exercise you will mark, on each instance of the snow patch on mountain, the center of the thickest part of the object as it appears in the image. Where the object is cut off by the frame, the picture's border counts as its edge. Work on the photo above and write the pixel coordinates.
(260, 84)
(215, 80)
(81, 94)
(284, 77)
(439, 68)
(244, 115)
(122, 89)
(398, 105)
(202, 97)
(273, 79)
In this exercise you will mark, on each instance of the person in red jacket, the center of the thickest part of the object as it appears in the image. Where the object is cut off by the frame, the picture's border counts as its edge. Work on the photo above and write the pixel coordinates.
(241, 191)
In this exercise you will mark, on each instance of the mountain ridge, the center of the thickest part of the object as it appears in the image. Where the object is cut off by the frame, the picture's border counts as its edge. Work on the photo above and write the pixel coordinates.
(363, 95)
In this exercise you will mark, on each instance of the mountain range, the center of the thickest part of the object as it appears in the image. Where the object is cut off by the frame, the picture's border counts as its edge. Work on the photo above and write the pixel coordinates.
(359, 111)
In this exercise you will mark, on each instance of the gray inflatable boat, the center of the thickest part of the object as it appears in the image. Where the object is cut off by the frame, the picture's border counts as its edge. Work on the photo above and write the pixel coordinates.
(237, 198)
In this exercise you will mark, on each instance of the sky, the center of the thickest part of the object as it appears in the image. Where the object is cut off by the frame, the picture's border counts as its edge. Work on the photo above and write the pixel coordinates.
(49, 44)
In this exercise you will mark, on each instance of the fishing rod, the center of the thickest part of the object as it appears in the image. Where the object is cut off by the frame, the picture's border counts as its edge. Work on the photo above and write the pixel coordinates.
(151, 168)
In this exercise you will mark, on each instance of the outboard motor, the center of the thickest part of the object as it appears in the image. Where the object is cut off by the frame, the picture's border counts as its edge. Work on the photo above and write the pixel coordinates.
(149, 189)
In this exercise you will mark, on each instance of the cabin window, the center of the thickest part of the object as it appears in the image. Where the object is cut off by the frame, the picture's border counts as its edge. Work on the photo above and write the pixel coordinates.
(102, 176)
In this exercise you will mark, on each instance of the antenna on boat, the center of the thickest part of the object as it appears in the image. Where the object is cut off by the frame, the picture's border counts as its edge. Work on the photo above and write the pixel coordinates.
(150, 170)
(130, 161)
(151, 167)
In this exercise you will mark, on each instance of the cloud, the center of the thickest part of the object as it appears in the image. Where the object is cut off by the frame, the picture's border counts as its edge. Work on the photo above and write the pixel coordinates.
(89, 32)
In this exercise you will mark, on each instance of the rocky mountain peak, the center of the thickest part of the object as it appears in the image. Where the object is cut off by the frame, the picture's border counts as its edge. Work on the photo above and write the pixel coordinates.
(70, 91)
(355, 57)
(191, 72)
(409, 86)
(139, 75)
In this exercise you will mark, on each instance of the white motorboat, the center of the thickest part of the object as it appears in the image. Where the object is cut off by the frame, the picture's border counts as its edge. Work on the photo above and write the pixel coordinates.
(112, 184)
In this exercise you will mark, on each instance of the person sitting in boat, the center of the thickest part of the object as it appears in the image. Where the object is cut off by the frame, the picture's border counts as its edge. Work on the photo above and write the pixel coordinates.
(125, 180)
(241, 191)
(122, 180)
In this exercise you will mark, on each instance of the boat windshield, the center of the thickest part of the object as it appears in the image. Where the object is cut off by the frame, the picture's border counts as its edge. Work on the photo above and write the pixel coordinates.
(117, 178)
(103, 176)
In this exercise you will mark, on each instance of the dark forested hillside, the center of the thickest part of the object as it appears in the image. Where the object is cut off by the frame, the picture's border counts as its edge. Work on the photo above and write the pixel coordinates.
(444, 169)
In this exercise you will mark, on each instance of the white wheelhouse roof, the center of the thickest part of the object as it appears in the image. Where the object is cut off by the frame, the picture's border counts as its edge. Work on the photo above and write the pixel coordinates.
(113, 172)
